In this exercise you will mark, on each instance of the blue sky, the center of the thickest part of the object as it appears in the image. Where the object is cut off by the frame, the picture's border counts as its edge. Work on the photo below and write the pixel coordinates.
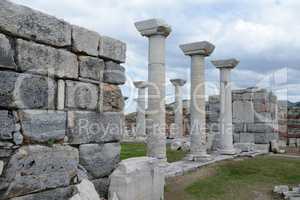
(263, 34)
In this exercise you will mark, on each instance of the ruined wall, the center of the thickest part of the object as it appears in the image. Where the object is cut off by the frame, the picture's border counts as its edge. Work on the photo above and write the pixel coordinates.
(61, 109)
(254, 116)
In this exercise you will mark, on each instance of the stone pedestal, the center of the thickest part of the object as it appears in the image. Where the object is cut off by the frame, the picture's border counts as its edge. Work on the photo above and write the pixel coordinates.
(178, 83)
(141, 107)
(198, 51)
(226, 129)
(157, 31)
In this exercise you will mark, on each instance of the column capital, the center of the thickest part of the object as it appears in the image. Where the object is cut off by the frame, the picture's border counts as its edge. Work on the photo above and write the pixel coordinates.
(227, 64)
(178, 82)
(153, 27)
(203, 48)
(140, 84)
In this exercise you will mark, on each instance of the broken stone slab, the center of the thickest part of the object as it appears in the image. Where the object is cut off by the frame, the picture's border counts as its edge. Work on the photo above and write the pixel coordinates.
(6, 53)
(81, 95)
(102, 186)
(114, 73)
(18, 138)
(5, 152)
(85, 191)
(112, 49)
(45, 60)
(85, 41)
(280, 189)
(136, 179)
(275, 146)
(55, 194)
(43, 126)
(35, 168)
(112, 98)
(99, 159)
(25, 22)
(91, 68)
(94, 127)
(26, 91)
(7, 125)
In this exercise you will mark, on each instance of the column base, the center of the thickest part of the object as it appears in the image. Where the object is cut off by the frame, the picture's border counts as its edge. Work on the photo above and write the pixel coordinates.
(227, 151)
(199, 157)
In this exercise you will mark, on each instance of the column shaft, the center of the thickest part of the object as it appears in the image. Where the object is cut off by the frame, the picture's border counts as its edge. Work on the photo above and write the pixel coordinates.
(178, 112)
(156, 97)
(197, 107)
(140, 118)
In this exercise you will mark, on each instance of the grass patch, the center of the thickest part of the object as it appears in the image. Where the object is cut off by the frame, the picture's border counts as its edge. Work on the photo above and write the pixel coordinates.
(130, 150)
(243, 179)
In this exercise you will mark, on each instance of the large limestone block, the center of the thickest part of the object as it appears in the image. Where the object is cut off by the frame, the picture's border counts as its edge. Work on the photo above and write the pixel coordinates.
(85, 191)
(99, 159)
(26, 91)
(114, 73)
(91, 68)
(260, 128)
(55, 194)
(36, 168)
(136, 179)
(6, 53)
(43, 126)
(81, 95)
(46, 60)
(7, 125)
(113, 100)
(31, 24)
(88, 127)
(265, 138)
(243, 112)
(85, 41)
(247, 137)
(112, 49)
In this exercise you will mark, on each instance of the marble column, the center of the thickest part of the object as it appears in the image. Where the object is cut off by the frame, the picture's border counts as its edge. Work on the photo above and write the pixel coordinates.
(178, 83)
(157, 31)
(198, 51)
(141, 107)
(226, 128)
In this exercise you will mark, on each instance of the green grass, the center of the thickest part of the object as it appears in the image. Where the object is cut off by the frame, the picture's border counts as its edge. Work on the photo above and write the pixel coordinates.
(129, 150)
(238, 179)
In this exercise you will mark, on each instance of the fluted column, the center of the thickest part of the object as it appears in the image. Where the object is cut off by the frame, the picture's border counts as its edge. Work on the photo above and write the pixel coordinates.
(157, 31)
(178, 83)
(141, 107)
(226, 143)
(198, 51)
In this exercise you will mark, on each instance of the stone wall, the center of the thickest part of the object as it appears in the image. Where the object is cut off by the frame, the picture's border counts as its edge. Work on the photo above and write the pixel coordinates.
(61, 109)
(255, 118)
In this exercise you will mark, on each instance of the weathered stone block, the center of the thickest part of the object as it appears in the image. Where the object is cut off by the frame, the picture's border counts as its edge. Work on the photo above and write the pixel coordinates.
(264, 117)
(137, 178)
(102, 185)
(36, 168)
(5, 152)
(31, 24)
(85, 41)
(46, 60)
(6, 53)
(260, 128)
(114, 73)
(99, 159)
(245, 147)
(112, 98)
(239, 127)
(264, 138)
(55, 194)
(112, 49)
(91, 68)
(26, 91)
(81, 95)
(247, 137)
(7, 125)
(85, 191)
(88, 127)
(243, 112)
(43, 126)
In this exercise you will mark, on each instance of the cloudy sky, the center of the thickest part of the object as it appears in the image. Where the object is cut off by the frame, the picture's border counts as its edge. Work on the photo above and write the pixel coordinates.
(263, 34)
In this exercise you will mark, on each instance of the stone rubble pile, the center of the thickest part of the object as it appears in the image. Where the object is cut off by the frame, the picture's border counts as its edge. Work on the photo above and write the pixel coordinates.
(285, 192)
(61, 108)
